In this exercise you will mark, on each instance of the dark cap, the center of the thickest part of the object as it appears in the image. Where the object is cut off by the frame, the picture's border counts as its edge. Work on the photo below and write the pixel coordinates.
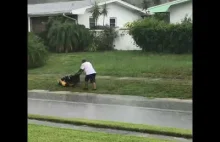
(83, 60)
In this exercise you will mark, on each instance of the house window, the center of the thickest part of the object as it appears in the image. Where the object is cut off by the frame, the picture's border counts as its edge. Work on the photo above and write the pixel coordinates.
(37, 24)
(112, 22)
(91, 22)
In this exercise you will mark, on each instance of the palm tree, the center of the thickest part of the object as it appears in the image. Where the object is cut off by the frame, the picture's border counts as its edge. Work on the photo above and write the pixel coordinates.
(95, 12)
(104, 13)
(156, 2)
(145, 4)
(67, 36)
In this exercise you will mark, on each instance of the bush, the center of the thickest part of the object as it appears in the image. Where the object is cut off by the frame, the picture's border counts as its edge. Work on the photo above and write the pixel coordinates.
(165, 16)
(155, 35)
(48, 24)
(63, 35)
(68, 37)
(103, 40)
(186, 20)
(98, 27)
(37, 52)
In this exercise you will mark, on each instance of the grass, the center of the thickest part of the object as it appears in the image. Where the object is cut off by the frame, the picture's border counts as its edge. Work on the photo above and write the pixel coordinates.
(37, 133)
(118, 125)
(121, 63)
(156, 89)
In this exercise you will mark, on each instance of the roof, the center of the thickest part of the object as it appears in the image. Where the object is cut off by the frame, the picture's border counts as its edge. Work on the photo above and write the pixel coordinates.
(139, 3)
(74, 7)
(47, 1)
(125, 4)
(56, 7)
(165, 7)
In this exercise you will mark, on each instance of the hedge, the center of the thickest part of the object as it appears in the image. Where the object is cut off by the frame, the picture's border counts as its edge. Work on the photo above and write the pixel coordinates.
(158, 36)
(37, 52)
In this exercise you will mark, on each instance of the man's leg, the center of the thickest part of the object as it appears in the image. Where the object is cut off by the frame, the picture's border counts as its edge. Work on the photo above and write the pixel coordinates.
(86, 85)
(93, 81)
(94, 85)
(86, 82)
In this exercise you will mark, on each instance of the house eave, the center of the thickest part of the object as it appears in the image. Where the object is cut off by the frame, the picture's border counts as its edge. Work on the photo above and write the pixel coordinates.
(165, 7)
(48, 14)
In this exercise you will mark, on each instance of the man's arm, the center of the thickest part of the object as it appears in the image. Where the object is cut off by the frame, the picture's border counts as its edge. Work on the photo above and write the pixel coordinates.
(79, 72)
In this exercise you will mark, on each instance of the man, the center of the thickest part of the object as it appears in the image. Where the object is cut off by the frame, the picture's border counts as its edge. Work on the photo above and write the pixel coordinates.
(90, 73)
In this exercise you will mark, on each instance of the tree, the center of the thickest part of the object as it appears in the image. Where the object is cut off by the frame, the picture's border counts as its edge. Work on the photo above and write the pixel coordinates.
(104, 13)
(95, 12)
(156, 2)
(68, 37)
(145, 4)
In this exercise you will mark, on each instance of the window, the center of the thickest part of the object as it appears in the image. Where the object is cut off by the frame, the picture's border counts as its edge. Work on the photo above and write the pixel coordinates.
(37, 24)
(112, 22)
(91, 23)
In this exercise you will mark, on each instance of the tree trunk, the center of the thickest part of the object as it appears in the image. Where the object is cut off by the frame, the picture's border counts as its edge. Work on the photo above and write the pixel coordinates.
(103, 20)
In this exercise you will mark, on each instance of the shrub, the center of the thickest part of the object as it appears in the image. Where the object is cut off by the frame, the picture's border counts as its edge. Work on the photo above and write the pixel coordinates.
(186, 20)
(67, 37)
(163, 16)
(48, 24)
(103, 40)
(37, 52)
(155, 35)
(63, 35)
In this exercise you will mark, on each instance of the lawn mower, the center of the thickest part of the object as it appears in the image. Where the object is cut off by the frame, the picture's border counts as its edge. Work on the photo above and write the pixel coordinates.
(69, 80)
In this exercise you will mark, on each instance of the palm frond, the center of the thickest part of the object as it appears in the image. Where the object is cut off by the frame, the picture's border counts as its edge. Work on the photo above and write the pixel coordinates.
(104, 11)
(96, 12)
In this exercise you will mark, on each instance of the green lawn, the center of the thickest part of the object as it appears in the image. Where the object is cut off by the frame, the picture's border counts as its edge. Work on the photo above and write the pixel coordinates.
(121, 64)
(159, 89)
(117, 125)
(37, 133)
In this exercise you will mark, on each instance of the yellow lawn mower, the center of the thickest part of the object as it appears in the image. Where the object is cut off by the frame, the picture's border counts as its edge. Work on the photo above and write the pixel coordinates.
(69, 80)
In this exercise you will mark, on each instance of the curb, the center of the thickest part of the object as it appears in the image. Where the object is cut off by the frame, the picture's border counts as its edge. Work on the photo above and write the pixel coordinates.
(172, 104)
(116, 126)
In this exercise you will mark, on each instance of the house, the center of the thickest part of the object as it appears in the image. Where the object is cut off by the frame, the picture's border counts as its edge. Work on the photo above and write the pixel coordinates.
(119, 13)
(178, 10)
(39, 13)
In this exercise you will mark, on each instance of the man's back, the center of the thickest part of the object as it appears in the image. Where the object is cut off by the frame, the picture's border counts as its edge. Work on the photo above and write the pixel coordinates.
(88, 68)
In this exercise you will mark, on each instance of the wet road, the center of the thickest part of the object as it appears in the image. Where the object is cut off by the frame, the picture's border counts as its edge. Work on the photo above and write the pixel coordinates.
(130, 114)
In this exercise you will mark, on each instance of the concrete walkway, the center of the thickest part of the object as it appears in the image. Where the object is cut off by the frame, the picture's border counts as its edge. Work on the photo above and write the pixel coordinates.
(111, 131)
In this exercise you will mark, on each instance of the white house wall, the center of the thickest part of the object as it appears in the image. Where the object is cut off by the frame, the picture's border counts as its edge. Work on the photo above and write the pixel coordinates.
(29, 24)
(122, 15)
(125, 42)
(179, 11)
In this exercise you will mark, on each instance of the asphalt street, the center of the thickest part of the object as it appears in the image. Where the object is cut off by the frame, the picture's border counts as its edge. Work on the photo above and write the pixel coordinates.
(120, 113)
